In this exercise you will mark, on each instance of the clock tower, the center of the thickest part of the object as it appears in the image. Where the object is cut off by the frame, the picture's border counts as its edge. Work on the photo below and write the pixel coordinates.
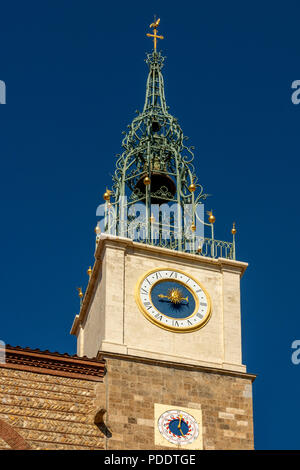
(162, 306)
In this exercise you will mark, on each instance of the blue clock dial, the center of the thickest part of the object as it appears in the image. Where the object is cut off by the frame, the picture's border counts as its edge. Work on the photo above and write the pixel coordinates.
(173, 299)
(178, 427)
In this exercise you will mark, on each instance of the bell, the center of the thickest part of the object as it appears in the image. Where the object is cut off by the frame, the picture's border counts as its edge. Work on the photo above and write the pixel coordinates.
(155, 126)
(158, 180)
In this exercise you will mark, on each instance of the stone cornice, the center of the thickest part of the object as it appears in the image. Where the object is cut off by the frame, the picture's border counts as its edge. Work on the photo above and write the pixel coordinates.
(45, 362)
(103, 355)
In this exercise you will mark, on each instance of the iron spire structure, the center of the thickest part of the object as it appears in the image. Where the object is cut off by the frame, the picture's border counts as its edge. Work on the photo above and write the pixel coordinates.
(155, 196)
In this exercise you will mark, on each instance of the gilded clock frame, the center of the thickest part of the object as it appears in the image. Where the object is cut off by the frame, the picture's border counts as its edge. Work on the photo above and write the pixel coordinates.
(156, 322)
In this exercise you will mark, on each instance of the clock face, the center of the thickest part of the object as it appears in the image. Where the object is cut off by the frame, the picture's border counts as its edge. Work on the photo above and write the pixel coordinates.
(178, 427)
(173, 300)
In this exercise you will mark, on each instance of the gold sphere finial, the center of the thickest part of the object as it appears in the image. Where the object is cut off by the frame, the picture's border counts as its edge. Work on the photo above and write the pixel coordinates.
(233, 230)
(199, 249)
(106, 195)
(152, 219)
(80, 293)
(97, 230)
(89, 271)
(211, 217)
(193, 227)
(192, 187)
(146, 181)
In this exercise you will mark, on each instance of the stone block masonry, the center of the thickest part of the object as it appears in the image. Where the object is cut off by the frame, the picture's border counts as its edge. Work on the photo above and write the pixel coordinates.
(133, 385)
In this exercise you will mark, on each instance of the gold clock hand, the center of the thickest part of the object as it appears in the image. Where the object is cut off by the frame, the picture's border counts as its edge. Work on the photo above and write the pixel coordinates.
(180, 418)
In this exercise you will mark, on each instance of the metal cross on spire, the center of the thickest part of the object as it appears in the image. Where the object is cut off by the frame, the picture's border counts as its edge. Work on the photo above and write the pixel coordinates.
(154, 35)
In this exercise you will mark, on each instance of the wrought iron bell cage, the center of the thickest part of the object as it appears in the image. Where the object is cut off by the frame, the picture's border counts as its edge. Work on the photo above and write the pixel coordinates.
(155, 171)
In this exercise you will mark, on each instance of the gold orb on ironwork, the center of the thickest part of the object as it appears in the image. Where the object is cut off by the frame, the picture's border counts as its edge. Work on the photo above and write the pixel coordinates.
(192, 187)
(80, 293)
(106, 196)
(211, 217)
(146, 181)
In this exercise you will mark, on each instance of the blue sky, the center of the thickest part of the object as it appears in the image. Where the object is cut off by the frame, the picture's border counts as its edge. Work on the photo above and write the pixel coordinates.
(75, 74)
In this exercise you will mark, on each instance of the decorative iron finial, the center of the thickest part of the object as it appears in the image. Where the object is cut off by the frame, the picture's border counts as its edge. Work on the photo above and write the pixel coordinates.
(80, 293)
(154, 25)
(233, 230)
(97, 230)
(89, 271)
(192, 187)
(211, 217)
(106, 195)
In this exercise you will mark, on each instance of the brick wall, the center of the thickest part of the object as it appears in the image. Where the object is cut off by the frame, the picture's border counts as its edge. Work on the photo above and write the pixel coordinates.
(134, 385)
(49, 400)
(50, 412)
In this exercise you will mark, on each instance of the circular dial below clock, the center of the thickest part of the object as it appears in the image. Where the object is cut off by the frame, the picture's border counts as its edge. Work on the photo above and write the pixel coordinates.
(173, 300)
(178, 427)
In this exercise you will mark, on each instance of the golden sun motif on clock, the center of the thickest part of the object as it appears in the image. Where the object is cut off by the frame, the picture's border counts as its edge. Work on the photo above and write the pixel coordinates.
(173, 300)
